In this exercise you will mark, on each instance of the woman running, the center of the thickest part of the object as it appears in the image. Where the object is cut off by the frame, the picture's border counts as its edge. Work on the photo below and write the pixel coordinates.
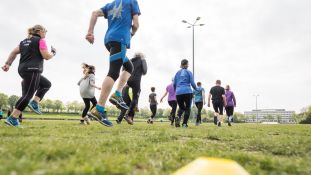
(171, 101)
(231, 104)
(153, 105)
(33, 51)
(87, 91)
(182, 83)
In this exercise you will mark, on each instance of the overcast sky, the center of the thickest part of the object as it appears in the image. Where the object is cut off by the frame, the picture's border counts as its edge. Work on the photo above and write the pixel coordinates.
(258, 47)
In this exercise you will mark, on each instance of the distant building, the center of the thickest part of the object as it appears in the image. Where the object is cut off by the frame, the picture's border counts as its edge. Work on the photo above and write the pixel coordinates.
(269, 115)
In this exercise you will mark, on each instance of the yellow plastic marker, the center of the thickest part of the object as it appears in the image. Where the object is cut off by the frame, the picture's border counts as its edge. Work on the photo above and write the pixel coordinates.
(212, 166)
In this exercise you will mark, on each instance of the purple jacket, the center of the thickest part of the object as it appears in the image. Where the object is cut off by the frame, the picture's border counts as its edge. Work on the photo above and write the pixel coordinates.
(230, 98)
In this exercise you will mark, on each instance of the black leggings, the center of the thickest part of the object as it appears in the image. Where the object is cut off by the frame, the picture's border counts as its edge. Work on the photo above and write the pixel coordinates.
(173, 105)
(199, 105)
(184, 104)
(135, 85)
(229, 110)
(117, 59)
(87, 105)
(33, 82)
(127, 100)
(153, 109)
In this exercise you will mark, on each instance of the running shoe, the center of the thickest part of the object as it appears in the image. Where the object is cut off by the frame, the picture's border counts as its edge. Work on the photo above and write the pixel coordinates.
(100, 117)
(184, 125)
(82, 122)
(128, 119)
(87, 120)
(35, 107)
(219, 124)
(118, 121)
(118, 101)
(11, 121)
(229, 124)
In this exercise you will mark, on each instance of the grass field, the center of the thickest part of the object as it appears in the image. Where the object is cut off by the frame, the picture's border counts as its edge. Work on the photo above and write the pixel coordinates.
(65, 147)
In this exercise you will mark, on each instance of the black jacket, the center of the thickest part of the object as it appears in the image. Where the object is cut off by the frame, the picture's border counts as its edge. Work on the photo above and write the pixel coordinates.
(140, 69)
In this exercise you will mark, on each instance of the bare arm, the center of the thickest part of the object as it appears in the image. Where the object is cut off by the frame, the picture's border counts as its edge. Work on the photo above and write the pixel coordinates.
(93, 85)
(11, 59)
(135, 25)
(225, 100)
(163, 96)
(46, 54)
(209, 99)
(90, 34)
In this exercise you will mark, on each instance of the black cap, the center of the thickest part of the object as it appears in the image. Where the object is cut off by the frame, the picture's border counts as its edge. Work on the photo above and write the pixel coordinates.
(184, 62)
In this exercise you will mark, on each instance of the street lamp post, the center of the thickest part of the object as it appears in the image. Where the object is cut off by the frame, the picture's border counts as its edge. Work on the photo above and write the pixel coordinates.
(256, 95)
(192, 25)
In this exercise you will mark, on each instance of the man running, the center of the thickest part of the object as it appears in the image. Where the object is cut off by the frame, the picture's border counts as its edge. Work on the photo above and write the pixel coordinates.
(199, 100)
(219, 101)
(123, 23)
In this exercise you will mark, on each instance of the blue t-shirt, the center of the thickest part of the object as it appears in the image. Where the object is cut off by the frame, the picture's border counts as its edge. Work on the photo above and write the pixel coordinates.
(120, 14)
(183, 81)
(198, 94)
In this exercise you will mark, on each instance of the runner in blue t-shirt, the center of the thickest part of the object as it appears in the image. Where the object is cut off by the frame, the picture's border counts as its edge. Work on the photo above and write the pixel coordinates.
(123, 23)
(199, 100)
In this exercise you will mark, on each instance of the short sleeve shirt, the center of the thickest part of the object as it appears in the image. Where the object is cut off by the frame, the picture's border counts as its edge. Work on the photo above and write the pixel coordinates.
(120, 14)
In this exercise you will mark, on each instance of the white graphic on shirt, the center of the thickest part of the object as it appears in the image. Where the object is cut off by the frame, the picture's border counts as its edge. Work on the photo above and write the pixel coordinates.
(116, 12)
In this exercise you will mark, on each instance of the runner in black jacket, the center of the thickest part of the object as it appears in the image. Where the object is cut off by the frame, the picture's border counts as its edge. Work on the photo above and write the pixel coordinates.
(140, 69)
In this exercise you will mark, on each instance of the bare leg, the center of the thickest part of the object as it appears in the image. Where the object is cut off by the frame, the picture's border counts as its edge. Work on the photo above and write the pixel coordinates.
(15, 114)
(106, 89)
(36, 99)
(123, 79)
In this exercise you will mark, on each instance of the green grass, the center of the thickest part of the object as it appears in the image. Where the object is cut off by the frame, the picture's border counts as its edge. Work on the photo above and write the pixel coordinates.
(65, 147)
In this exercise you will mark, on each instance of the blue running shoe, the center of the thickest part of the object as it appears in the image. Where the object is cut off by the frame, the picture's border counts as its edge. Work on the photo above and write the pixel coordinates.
(11, 121)
(100, 117)
(34, 106)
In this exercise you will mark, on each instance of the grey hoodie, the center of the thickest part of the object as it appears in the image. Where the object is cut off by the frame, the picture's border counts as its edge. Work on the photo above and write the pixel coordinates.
(86, 88)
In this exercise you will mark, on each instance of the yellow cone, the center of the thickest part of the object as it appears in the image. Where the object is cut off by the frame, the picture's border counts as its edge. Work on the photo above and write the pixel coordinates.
(212, 166)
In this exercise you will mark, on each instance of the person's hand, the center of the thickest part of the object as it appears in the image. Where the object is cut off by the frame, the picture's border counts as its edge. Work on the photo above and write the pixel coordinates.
(90, 38)
(6, 67)
(161, 100)
(53, 50)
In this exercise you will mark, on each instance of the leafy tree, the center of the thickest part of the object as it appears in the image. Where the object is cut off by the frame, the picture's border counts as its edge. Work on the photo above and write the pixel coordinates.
(49, 105)
(3, 100)
(307, 116)
(12, 101)
(58, 105)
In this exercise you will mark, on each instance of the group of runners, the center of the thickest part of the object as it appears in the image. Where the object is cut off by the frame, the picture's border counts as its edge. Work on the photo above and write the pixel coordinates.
(123, 23)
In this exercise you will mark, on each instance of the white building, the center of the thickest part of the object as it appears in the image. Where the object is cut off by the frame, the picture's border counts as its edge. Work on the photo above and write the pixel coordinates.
(270, 115)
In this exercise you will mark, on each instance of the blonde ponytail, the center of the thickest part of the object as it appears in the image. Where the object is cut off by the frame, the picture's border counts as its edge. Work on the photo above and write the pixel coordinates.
(35, 30)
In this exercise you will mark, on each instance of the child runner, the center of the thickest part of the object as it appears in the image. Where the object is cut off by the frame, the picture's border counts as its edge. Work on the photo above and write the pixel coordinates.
(123, 23)
(219, 101)
(87, 91)
(199, 100)
(231, 104)
(33, 51)
(182, 83)
(153, 105)
(171, 101)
